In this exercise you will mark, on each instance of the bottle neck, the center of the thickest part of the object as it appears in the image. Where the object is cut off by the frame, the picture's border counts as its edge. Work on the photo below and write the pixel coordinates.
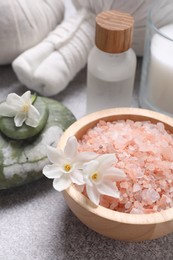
(107, 54)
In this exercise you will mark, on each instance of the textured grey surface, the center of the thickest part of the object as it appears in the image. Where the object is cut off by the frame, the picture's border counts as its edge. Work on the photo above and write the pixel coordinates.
(35, 222)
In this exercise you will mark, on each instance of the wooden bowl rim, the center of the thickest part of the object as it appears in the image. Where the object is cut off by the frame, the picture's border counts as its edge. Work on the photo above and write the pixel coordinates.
(140, 219)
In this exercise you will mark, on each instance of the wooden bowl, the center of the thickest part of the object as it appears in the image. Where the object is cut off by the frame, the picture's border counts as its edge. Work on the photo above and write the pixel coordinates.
(117, 225)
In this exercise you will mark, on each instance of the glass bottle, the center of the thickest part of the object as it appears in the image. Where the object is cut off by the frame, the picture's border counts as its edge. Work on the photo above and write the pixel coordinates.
(156, 88)
(111, 62)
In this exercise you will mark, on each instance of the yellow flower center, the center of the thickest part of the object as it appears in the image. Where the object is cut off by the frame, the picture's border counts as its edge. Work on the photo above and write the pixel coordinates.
(67, 167)
(25, 108)
(95, 176)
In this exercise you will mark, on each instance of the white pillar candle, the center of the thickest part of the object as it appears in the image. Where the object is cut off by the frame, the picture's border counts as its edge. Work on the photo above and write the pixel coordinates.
(161, 70)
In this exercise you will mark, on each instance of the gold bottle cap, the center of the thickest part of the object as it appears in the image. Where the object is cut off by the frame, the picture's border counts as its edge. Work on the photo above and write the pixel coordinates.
(114, 31)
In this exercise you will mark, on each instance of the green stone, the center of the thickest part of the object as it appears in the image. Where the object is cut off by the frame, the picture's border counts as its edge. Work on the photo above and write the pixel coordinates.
(22, 161)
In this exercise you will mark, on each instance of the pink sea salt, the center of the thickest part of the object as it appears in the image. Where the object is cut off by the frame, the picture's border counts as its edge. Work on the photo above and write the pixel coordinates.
(145, 152)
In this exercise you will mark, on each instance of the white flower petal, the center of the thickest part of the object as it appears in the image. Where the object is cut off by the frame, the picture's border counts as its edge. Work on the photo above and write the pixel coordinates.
(90, 167)
(52, 171)
(33, 117)
(86, 156)
(106, 160)
(31, 122)
(19, 119)
(108, 188)
(26, 97)
(70, 150)
(55, 155)
(7, 110)
(114, 174)
(77, 177)
(87, 180)
(93, 194)
(14, 100)
(62, 183)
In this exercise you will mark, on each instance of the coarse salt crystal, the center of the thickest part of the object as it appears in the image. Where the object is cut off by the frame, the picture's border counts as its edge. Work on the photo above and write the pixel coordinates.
(128, 205)
(144, 152)
(150, 195)
(136, 187)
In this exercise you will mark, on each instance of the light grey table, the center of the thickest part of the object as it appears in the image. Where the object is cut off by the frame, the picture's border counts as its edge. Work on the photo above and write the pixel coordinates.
(36, 223)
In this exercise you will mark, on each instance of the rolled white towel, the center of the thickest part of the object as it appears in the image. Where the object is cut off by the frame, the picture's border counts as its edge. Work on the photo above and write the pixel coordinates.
(24, 24)
(48, 67)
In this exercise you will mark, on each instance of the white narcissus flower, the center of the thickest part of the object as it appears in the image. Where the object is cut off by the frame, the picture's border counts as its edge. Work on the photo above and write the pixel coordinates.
(66, 167)
(100, 177)
(21, 108)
